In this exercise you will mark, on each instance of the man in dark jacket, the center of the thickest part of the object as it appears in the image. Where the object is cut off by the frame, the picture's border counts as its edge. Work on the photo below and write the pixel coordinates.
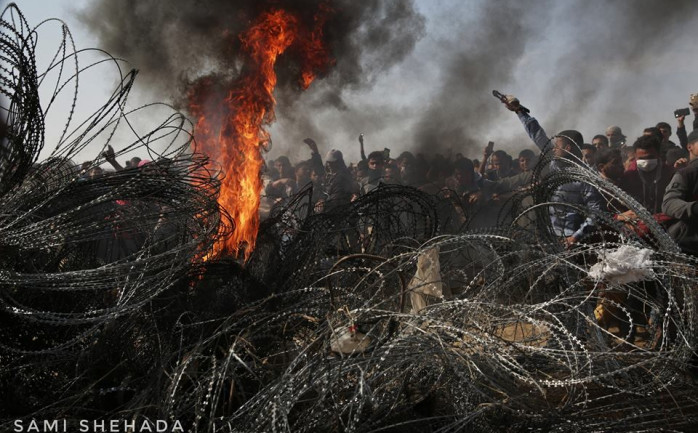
(648, 179)
(681, 200)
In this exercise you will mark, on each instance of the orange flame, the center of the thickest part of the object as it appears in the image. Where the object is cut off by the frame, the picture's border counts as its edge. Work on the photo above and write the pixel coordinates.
(231, 129)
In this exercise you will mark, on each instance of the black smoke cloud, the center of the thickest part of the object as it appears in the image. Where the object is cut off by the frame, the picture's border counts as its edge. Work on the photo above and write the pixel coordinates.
(577, 64)
(581, 62)
(483, 57)
(175, 42)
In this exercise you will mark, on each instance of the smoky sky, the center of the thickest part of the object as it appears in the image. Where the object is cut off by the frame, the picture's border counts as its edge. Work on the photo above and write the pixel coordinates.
(172, 43)
(415, 79)
(483, 57)
(609, 43)
(604, 46)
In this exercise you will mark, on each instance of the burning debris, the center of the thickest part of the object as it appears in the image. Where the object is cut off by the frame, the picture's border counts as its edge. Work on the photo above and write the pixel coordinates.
(247, 45)
(385, 313)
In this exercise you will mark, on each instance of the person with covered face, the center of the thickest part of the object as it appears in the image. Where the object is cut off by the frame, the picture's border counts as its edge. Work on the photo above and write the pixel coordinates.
(615, 136)
(609, 164)
(566, 219)
(647, 180)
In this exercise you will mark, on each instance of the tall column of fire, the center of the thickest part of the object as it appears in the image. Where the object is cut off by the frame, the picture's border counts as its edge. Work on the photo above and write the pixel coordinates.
(230, 127)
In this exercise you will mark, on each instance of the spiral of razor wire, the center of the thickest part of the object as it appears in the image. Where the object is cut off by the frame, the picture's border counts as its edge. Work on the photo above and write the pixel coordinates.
(389, 313)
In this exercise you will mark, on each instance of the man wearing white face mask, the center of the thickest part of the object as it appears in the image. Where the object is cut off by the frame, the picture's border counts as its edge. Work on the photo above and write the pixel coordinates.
(647, 181)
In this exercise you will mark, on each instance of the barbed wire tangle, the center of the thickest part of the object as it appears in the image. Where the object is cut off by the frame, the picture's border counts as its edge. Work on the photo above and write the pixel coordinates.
(395, 312)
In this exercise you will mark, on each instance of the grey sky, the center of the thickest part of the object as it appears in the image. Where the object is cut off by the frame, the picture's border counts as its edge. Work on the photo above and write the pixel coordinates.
(575, 64)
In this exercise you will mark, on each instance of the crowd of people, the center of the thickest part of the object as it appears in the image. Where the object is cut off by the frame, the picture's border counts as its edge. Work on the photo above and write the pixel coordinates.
(659, 174)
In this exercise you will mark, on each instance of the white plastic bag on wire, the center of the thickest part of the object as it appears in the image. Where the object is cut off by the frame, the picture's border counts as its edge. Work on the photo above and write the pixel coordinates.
(626, 264)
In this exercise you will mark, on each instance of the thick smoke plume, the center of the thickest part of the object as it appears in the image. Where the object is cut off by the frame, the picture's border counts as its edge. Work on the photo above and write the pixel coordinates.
(483, 57)
(175, 42)
(581, 65)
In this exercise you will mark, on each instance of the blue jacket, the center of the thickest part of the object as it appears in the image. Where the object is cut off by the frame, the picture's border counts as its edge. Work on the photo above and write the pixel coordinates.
(565, 220)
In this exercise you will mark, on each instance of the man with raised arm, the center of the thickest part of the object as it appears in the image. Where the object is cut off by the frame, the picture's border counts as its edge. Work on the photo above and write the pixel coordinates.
(566, 220)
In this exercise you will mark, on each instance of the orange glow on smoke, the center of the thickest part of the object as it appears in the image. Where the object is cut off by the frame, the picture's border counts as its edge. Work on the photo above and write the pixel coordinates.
(230, 128)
